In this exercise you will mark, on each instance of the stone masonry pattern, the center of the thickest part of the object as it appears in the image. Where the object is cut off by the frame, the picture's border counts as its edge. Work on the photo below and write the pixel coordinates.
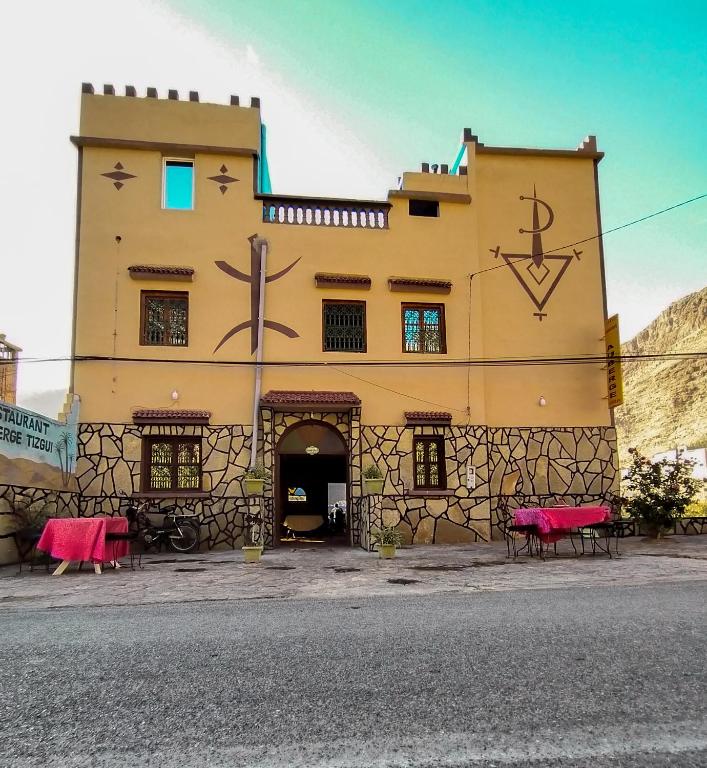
(524, 464)
(513, 466)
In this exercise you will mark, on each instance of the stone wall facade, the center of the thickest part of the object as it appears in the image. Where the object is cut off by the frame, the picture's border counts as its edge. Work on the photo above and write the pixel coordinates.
(520, 466)
(530, 467)
(109, 461)
(514, 467)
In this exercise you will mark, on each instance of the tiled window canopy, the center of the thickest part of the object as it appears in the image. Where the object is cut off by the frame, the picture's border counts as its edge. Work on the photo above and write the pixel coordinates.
(157, 271)
(170, 416)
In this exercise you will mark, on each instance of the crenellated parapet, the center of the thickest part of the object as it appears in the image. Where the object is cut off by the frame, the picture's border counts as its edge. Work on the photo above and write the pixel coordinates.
(151, 93)
(167, 122)
(586, 149)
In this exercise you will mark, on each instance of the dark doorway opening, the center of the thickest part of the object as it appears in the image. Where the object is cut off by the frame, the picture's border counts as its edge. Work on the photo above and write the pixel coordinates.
(313, 498)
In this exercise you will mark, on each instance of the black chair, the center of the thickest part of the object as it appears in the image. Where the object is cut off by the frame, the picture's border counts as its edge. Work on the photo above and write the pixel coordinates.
(131, 537)
(615, 527)
(511, 531)
(26, 540)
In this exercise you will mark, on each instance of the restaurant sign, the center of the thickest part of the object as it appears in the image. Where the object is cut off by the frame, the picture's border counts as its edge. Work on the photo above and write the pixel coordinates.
(37, 451)
(613, 362)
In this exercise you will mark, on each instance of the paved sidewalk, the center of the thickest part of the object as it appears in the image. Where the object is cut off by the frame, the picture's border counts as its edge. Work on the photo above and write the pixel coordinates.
(306, 571)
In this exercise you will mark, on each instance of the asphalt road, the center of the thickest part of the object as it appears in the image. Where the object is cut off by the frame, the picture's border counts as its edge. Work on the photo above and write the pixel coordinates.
(565, 677)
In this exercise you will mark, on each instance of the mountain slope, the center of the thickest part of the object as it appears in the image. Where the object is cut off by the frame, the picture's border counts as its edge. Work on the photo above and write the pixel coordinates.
(665, 401)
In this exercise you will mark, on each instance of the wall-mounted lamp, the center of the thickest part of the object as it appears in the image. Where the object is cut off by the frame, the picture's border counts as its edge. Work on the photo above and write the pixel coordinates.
(542, 402)
(175, 395)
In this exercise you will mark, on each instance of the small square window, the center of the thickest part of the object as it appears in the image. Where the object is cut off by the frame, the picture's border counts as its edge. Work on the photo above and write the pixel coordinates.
(164, 318)
(430, 470)
(344, 326)
(423, 328)
(178, 185)
(171, 464)
(428, 208)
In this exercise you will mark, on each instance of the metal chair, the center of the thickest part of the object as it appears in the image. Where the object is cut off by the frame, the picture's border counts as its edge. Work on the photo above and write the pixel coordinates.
(614, 527)
(130, 536)
(512, 532)
(26, 540)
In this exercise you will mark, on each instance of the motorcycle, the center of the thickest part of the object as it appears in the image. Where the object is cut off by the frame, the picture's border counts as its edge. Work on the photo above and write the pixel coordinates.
(179, 532)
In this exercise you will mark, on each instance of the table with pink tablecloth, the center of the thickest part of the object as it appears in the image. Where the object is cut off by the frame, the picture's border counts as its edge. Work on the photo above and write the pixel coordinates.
(84, 538)
(553, 523)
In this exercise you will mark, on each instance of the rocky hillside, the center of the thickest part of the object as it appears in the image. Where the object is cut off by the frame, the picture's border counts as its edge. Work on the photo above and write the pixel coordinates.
(665, 401)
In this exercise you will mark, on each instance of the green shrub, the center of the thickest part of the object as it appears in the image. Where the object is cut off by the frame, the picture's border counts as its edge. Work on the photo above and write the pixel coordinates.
(659, 492)
(386, 535)
(28, 514)
(696, 509)
(258, 472)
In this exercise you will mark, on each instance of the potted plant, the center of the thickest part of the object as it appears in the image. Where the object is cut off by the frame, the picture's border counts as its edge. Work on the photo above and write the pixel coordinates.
(255, 479)
(659, 492)
(29, 518)
(372, 480)
(387, 538)
(253, 548)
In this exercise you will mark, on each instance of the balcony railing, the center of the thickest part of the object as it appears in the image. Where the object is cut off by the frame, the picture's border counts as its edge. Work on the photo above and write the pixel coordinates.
(322, 212)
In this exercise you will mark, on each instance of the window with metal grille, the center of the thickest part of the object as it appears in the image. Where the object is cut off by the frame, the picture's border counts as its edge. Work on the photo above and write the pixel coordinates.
(172, 464)
(164, 318)
(423, 328)
(344, 326)
(429, 462)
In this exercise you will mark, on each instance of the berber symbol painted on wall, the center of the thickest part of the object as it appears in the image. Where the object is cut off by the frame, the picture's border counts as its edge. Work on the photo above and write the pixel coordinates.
(541, 275)
(254, 279)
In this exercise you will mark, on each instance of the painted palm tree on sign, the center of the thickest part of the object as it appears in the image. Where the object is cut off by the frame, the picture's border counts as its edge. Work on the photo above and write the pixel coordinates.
(64, 447)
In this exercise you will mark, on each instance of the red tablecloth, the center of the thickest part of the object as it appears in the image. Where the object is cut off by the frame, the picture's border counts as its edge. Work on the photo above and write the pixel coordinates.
(84, 538)
(553, 522)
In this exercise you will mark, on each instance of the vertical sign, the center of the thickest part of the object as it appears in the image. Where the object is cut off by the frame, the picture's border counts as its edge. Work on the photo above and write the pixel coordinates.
(613, 362)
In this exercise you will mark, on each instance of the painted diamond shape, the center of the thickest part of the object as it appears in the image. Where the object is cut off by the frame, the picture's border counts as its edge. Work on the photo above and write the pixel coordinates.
(538, 273)
(223, 179)
(118, 175)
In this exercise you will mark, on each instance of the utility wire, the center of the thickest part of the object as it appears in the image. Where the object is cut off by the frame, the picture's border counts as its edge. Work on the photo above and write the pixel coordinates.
(402, 394)
(594, 237)
(426, 364)
(580, 359)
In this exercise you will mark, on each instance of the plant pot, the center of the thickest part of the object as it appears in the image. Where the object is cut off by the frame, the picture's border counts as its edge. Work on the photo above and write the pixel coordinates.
(386, 551)
(254, 486)
(252, 554)
(373, 487)
(655, 530)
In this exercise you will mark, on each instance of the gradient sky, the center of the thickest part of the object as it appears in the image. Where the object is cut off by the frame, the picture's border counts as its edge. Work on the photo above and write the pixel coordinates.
(355, 92)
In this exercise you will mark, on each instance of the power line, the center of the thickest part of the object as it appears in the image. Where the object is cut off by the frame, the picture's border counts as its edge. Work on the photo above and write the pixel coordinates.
(594, 237)
(402, 394)
(578, 359)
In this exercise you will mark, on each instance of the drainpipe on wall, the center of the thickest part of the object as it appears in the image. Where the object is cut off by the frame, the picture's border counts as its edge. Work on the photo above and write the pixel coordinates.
(258, 353)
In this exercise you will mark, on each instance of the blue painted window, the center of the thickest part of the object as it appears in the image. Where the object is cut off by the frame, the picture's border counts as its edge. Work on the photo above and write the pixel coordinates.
(178, 185)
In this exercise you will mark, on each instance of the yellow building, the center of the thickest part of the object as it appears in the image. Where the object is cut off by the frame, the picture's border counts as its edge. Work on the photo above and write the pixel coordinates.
(426, 334)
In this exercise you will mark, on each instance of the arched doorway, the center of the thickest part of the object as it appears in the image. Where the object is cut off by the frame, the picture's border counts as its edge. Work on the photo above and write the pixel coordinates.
(311, 485)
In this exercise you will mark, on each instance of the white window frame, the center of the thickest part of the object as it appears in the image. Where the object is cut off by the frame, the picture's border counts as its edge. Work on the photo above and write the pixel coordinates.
(166, 160)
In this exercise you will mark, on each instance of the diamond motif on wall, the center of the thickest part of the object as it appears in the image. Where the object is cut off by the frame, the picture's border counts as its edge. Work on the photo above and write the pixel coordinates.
(119, 175)
(223, 180)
